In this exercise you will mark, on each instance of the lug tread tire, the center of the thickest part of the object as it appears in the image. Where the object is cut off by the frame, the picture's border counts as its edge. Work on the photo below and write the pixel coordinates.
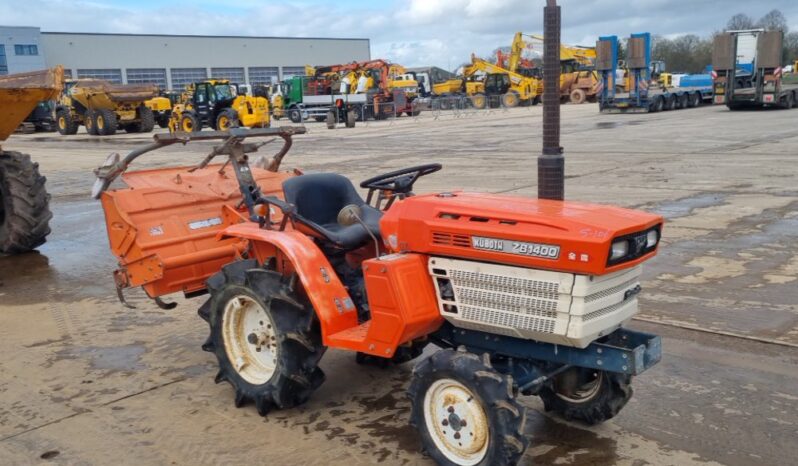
(232, 117)
(110, 122)
(615, 392)
(495, 390)
(146, 120)
(298, 335)
(70, 127)
(26, 204)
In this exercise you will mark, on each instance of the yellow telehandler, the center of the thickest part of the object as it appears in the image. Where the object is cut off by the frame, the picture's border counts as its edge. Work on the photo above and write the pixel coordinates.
(24, 202)
(213, 103)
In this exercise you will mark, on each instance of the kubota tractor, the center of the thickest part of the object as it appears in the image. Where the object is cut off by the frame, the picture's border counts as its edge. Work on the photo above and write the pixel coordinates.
(24, 202)
(522, 296)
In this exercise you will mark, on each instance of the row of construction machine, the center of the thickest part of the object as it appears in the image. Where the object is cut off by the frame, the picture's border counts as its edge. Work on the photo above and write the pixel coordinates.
(445, 87)
(216, 103)
(374, 89)
(522, 296)
(640, 84)
(501, 86)
(748, 70)
(24, 202)
(103, 107)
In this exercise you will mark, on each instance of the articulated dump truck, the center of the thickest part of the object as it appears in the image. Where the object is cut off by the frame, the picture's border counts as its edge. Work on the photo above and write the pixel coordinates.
(103, 107)
(24, 202)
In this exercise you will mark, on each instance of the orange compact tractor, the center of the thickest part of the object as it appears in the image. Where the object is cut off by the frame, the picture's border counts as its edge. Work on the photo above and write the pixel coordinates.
(522, 296)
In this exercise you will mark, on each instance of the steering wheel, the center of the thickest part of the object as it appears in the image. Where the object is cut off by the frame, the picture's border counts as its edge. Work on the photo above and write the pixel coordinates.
(400, 181)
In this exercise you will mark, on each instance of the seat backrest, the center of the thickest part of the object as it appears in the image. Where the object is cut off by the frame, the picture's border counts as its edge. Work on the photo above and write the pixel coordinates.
(319, 197)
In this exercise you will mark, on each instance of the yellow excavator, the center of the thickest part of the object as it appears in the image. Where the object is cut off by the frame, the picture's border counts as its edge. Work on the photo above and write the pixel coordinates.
(24, 202)
(511, 88)
(579, 80)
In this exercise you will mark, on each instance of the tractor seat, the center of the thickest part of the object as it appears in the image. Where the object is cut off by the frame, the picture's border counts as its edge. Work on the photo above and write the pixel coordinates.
(319, 197)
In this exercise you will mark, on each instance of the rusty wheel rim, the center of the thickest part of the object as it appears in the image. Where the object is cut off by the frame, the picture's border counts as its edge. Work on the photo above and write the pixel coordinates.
(250, 339)
(457, 422)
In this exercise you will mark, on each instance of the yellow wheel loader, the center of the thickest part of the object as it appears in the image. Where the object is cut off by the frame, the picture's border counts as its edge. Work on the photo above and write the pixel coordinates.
(103, 108)
(24, 202)
(213, 103)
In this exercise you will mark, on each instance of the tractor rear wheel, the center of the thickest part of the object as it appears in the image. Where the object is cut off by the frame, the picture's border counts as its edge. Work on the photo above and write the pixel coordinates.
(466, 411)
(105, 122)
(578, 96)
(265, 336)
(24, 204)
(226, 119)
(65, 123)
(587, 395)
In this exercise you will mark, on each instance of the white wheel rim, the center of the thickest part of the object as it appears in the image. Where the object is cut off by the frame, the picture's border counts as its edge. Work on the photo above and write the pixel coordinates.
(457, 422)
(250, 339)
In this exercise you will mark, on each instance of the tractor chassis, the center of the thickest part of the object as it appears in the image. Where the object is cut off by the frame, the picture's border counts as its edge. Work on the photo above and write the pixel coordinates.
(533, 363)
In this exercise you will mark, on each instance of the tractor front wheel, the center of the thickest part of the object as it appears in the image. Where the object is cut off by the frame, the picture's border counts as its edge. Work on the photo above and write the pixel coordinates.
(65, 123)
(466, 411)
(265, 336)
(189, 123)
(587, 395)
(226, 120)
(578, 96)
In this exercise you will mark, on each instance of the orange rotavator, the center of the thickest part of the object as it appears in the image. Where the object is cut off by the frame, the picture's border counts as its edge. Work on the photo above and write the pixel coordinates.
(524, 296)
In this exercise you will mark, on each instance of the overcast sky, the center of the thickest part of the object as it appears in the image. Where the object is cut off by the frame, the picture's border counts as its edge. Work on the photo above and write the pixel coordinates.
(410, 32)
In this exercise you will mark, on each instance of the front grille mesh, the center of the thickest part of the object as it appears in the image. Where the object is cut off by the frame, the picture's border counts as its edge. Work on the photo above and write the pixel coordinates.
(503, 284)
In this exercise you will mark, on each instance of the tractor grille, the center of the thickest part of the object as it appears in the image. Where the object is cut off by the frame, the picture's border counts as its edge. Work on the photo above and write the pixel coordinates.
(534, 304)
(448, 239)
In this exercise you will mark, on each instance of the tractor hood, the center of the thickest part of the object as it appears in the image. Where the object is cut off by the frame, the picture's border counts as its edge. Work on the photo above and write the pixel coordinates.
(554, 235)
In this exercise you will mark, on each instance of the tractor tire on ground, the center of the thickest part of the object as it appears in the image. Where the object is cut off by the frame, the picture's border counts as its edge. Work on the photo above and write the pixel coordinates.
(64, 122)
(226, 119)
(593, 396)
(105, 122)
(578, 96)
(189, 123)
(351, 119)
(295, 115)
(265, 336)
(479, 101)
(24, 204)
(147, 119)
(330, 120)
(88, 122)
(510, 99)
(465, 411)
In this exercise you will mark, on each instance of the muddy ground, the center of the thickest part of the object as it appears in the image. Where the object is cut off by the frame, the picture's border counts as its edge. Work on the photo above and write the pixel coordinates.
(87, 381)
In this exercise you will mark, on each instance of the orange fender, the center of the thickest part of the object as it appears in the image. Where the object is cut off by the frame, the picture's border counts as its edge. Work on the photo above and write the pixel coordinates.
(333, 305)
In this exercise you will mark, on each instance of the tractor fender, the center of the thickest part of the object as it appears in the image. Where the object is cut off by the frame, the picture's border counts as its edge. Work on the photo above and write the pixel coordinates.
(330, 299)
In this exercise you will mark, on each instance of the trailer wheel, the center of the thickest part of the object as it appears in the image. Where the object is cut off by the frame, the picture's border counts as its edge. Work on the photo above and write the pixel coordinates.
(65, 123)
(684, 101)
(695, 99)
(265, 336)
(330, 119)
(351, 119)
(658, 105)
(105, 122)
(789, 101)
(466, 411)
(578, 96)
(587, 395)
(670, 103)
(24, 204)
(295, 115)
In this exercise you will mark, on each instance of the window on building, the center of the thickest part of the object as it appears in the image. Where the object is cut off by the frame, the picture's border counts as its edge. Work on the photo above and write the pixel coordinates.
(234, 75)
(155, 76)
(26, 49)
(3, 62)
(263, 75)
(291, 71)
(67, 73)
(182, 77)
(111, 75)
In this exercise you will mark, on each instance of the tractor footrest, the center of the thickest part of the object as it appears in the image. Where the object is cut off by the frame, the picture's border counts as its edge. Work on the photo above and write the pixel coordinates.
(357, 339)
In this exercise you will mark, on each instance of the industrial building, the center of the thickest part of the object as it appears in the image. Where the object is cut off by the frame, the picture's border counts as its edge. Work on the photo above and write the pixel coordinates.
(171, 61)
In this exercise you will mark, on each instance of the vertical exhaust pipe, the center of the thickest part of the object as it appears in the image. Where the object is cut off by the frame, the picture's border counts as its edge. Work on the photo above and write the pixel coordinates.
(551, 163)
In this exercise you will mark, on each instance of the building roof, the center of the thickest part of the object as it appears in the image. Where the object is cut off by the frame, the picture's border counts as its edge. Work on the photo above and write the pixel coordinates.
(197, 36)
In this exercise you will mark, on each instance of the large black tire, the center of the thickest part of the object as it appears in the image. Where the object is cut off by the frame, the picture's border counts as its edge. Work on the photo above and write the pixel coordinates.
(670, 103)
(105, 122)
(601, 398)
(295, 115)
(295, 341)
(695, 100)
(330, 120)
(226, 119)
(189, 123)
(658, 105)
(89, 122)
(163, 120)
(146, 119)
(65, 123)
(479, 101)
(351, 119)
(485, 412)
(510, 99)
(789, 101)
(24, 204)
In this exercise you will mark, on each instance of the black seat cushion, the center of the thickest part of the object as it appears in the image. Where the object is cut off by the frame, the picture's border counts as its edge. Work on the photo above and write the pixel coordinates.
(319, 197)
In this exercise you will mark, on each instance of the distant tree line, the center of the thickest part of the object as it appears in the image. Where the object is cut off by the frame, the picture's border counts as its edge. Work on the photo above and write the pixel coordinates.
(691, 54)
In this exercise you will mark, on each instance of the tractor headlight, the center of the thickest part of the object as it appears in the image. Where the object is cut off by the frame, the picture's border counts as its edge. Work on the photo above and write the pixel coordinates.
(652, 238)
(619, 250)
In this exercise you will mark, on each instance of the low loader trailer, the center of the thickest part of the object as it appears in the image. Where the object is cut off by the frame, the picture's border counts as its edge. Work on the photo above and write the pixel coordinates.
(639, 91)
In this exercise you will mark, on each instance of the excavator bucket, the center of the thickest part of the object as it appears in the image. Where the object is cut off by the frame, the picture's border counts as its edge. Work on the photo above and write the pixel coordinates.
(19, 94)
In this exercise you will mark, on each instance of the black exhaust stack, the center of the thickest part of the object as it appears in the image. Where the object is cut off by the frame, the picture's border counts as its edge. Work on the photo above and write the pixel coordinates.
(551, 163)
